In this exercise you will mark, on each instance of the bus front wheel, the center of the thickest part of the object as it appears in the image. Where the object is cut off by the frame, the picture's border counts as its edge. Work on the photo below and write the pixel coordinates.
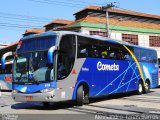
(140, 88)
(46, 104)
(82, 96)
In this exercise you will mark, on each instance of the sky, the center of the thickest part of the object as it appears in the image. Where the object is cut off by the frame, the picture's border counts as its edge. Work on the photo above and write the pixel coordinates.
(18, 15)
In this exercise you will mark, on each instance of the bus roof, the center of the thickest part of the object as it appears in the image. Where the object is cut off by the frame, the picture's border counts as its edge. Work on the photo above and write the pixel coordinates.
(82, 34)
(39, 35)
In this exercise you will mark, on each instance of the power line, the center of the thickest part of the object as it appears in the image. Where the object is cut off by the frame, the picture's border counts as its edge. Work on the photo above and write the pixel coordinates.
(36, 19)
(18, 25)
(137, 12)
(12, 28)
(66, 4)
(22, 19)
(24, 16)
(56, 3)
(86, 2)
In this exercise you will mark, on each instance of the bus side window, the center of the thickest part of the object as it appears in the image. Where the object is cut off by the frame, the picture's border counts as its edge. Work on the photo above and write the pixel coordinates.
(153, 56)
(127, 55)
(119, 55)
(83, 47)
(113, 51)
(103, 49)
(143, 56)
(66, 56)
(104, 54)
(83, 53)
(112, 55)
(94, 53)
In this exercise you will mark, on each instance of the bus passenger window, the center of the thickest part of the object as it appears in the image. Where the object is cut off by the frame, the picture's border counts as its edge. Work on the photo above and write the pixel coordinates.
(127, 57)
(143, 58)
(83, 53)
(112, 55)
(94, 52)
(119, 55)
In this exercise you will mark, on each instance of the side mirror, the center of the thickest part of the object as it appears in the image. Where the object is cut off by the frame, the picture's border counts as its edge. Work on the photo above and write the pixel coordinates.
(51, 53)
(3, 60)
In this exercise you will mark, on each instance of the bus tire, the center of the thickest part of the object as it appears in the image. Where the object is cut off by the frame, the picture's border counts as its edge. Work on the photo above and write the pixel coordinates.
(140, 88)
(86, 95)
(147, 87)
(80, 95)
(46, 104)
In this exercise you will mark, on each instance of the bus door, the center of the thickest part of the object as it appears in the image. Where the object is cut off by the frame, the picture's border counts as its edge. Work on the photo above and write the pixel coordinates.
(66, 69)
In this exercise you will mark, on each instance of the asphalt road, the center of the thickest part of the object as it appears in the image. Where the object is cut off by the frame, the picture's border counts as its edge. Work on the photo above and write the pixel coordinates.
(121, 106)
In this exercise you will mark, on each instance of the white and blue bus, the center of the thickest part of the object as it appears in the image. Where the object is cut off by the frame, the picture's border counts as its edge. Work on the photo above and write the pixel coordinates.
(6, 76)
(62, 65)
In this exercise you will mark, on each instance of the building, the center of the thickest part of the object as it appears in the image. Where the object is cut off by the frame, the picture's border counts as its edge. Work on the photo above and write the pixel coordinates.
(57, 23)
(130, 26)
(33, 31)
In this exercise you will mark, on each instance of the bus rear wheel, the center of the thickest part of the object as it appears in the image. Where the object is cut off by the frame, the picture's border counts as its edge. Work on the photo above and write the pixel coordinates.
(82, 96)
(140, 88)
(147, 87)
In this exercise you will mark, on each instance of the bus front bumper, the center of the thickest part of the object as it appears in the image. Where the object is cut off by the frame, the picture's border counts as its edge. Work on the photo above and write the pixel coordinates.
(37, 97)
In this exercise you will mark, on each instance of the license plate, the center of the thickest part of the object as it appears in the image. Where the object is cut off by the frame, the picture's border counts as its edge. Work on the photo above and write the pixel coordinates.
(28, 98)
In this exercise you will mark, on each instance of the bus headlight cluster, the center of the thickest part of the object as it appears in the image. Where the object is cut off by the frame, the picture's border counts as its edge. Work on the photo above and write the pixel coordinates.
(46, 90)
(14, 91)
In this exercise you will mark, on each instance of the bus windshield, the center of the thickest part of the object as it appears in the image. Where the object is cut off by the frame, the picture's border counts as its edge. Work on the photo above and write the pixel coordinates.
(31, 62)
(32, 67)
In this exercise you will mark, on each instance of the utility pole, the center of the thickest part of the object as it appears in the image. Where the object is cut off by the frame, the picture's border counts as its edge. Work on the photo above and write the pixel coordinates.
(106, 8)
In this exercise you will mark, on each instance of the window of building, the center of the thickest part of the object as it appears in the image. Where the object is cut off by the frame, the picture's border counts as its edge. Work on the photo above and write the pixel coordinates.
(130, 38)
(99, 33)
(154, 41)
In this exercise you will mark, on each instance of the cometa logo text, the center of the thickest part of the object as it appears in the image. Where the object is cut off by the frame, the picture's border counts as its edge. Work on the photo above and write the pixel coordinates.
(107, 67)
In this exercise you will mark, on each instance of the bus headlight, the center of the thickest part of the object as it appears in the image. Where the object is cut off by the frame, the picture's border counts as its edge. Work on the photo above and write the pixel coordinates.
(14, 91)
(46, 90)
